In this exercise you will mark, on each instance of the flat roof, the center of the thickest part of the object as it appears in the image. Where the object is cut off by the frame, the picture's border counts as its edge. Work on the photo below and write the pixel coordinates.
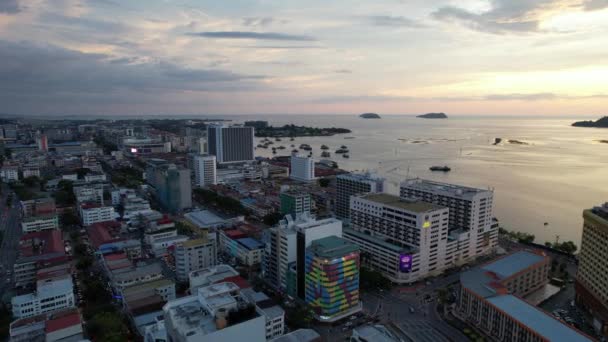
(300, 335)
(513, 263)
(537, 320)
(448, 189)
(250, 243)
(376, 333)
(394, 201)
(204, 218)
(332, 247)
(59, 321)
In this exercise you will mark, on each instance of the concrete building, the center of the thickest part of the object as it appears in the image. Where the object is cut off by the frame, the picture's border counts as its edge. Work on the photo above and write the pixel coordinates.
(591, 286)
(246, 250)
(216, 313)
(92, 213)
(376, 333)
(472, 227)
(286, 244)
(38, 250)
(302, 168)
(405, 240)
(9, 173)
(57, 326)
(211, 275)
(205, 170)
(39, 223)
(30, 171)
(90, 193)
(50, 295)
(490, 299)
(353, 184)
(300, 335)
(138, 147)
(194, 255)
(173, 187)
(295, 203)
(40, 206)
(231, 144)
(272, 312)
(160, 247)
(332, 278)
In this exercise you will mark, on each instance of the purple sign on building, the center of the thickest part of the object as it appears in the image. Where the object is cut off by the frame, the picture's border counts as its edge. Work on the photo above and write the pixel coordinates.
(405, 262)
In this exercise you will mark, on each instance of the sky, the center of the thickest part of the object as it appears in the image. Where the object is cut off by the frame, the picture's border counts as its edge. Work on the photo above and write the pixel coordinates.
(162, 57)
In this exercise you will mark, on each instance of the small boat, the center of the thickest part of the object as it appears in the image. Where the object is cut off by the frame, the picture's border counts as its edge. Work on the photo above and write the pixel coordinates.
(291, 139)
(349, 137)
(324, 147)
(277, 139)
(344, 147)
(341, 150)
(440, 168)
(294, 151)
(292, 145)
(345, 155)
(546, 223)
(261, 146)
(325, 154)
(281, 147)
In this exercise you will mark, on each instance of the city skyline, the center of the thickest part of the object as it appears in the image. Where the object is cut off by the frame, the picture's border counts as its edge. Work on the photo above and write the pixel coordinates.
(86, 57)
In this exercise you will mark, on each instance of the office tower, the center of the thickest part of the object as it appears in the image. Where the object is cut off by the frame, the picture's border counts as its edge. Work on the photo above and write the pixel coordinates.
(205, 172)
(286, 244)
(43, 143)
(471, 220)
(405, 240)
(230, 144)
(332, 278)
(591, 287)
(490, 299)
(302, 168)
(194, 255)
(295, 203)
(172, 184)
(352, 184)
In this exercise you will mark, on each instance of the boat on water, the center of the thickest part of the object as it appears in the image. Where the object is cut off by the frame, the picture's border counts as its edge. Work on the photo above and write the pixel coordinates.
(261, 146)
(294, 151)
(341, 150)
(440, 168)
(325, 154)
(291, 139)
(324, 147)
(349, 137)
(305, 147)
(344, 147)
(277, 139)
(281, 147)
(345, 155)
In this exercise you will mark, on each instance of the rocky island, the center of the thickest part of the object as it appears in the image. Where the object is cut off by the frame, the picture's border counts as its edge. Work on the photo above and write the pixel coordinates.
(433, 116)
(298, 131)
(369, 116)
(601, 123)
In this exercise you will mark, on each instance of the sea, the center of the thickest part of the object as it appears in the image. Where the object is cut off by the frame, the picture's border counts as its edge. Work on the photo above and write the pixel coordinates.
(544, 172)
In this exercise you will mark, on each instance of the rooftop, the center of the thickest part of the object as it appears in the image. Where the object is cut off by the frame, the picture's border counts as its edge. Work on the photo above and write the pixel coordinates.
(601, 211)
(332, 247)
(41, 243)
(536, 320)
(396, 202)
(250, 243)
(204, 218)
(447, 189)
(62, 320)
(300, 335)
(212, 275)
(376, 333)
(513, 263)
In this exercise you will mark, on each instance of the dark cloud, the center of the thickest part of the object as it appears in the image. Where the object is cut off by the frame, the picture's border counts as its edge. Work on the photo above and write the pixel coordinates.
(9, 6)
(258, 21)
(392, 21)
(253, 35)
(32, 72)
(595, 5)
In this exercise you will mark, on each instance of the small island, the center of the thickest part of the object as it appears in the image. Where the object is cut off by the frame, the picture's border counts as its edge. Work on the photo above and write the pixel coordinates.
(298, 131)
(369, 116)
(601, 123)
(433, 116)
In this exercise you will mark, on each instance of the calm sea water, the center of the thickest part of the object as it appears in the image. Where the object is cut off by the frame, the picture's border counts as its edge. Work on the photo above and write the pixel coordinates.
(560, 171)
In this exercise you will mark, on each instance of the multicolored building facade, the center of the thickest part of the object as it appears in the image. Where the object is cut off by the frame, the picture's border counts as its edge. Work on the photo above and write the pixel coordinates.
(332, 278)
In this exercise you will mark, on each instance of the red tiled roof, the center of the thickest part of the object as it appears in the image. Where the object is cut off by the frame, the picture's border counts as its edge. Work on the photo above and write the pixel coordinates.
(115, 256)
(90, 205)
(51, 241)
(234, 234)
(237, 280)
(103, 232)
(65, 321)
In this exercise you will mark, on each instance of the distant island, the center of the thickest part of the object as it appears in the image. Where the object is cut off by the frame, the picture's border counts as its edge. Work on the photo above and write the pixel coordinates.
(601, 123)
(433, 116)
(370, 116)
(298, 131)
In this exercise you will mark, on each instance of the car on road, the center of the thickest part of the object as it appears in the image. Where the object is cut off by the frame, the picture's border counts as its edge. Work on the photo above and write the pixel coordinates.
(412, 310)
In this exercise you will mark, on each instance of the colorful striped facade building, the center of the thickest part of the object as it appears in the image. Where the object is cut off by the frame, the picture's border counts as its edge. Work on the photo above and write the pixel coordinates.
(332, 278)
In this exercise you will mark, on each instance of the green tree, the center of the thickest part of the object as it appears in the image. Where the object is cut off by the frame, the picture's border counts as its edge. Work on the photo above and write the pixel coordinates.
(272, 218)
(68, 218)
(107, 326)
(31, 181)
(324, 182)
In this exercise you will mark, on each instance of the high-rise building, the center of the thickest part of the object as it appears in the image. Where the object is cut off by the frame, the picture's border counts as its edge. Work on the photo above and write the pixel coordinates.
(405, 240)
(471, 222)
(302, 168)
(332, 278)
(591, 287)
(172, 184)
(230, 144)
(295, 203)
(286, 244)
(43, 143)
(194, 255)
(352, 184)
(205, 172)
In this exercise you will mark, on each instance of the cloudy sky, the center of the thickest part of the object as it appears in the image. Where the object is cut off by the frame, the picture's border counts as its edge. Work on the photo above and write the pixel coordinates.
(96, 57)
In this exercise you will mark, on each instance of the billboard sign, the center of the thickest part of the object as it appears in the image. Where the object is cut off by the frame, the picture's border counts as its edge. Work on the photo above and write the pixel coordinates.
(405, 262)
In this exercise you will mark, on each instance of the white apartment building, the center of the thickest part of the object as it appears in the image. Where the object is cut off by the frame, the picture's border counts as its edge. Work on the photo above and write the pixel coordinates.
(95, 177)
(50, 295)
(31, 172)
(273, 313)
(9, 173)
(473, 229)
(194, 255)
(39, 223)
(89, 193)
(350, 184)
(205, 170)
(405, 240)
(302, 168)
(130, 276)
(91, 213)
(211, 275)
(204, 316)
